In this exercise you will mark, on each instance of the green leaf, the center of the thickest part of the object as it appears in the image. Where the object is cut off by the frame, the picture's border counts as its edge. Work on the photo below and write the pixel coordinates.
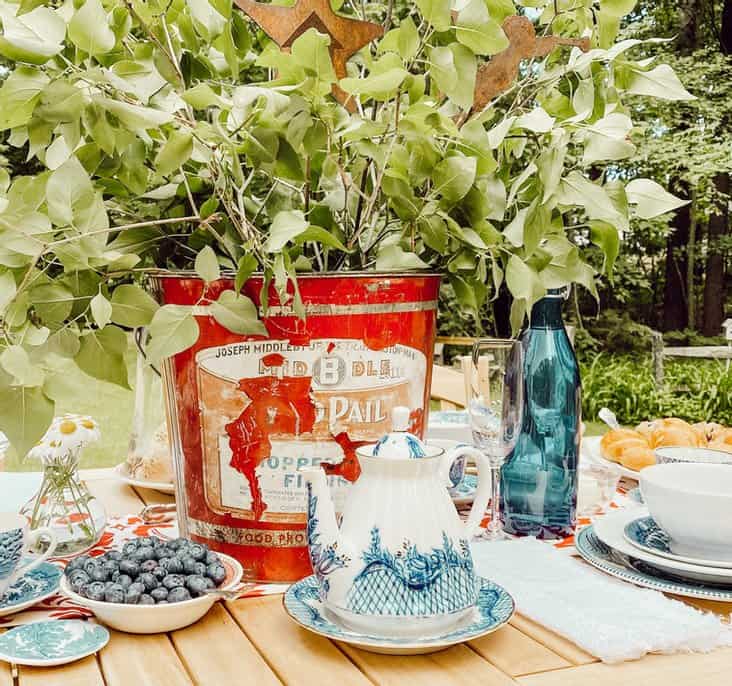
(67, 186)
(454, 176)
(433, 231)
(537, 121)
(320, 235)
(660, 82)
(208, 21)
(34, 37)
(175, 153)
(453, 69)
(16, 362)
(132, 306)
(25, 415)
(246, 267)
(18, 96)
(285, 226)
(408, 40)
(523, 281)
(378, 86)
(202, 96)
(135, 117)
(617, 8)
(89, 29)
(606, 139)
(172, 330)
(101, 310)
(102, 355)
(477, 30)
(392, 257)
(52, 303)
(207, 265)
(8, 289)
(310, 51)
(576, 189)
(238, 314)
(607, 238)
(650, 199)
(436, 12)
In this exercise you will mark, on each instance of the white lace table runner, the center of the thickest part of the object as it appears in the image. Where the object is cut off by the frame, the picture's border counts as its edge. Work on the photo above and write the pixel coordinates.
(608, 618)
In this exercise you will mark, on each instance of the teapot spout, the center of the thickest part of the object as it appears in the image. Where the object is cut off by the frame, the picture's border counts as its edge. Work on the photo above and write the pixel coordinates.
(322, 528)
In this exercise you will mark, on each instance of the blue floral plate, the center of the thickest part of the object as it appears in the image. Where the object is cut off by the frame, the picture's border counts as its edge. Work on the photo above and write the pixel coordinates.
(492, 610)
(640, 573)
(31, 588)
(464, 492)
(644, 533)
(56, 642)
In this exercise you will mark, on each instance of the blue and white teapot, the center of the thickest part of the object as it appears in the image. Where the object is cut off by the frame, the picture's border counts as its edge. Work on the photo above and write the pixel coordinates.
(402, 551)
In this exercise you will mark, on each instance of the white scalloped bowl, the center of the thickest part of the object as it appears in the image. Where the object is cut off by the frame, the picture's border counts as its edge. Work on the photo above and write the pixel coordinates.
(156, 619)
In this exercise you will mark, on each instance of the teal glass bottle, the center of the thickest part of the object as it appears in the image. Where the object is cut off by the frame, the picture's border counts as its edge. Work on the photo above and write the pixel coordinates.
(539, 478)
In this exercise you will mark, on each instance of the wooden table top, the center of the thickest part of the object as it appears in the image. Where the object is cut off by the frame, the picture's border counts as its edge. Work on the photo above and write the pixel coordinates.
(252, 641)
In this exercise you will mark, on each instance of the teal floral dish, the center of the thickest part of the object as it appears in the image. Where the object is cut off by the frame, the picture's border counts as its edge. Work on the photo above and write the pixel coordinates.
(493, 608)
(55, 642)
(464, 492)
(644, 533)
(635, 495)
(31, 588)
(640, 573)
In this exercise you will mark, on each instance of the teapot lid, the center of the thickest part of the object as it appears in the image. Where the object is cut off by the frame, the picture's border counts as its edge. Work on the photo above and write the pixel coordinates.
(399, 444)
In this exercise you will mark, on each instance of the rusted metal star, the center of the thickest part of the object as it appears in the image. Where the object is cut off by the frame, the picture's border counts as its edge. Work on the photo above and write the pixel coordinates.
(496, 76)
(285, 24)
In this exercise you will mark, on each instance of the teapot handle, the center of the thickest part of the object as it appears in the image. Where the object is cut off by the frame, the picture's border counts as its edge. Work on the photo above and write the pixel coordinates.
(483, 493)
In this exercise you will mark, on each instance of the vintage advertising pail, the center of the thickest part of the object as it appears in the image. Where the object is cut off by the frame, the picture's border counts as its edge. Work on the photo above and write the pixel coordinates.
(247, 412)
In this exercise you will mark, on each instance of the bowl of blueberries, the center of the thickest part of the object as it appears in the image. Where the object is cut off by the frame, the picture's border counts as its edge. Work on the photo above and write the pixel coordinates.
(151, 585)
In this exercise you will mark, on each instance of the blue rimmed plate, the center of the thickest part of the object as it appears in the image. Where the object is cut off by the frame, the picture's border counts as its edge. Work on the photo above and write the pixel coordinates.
(640, 573)
(31, 588)
(644, 533)
(464, 492)
(492, 610)
(51, 643)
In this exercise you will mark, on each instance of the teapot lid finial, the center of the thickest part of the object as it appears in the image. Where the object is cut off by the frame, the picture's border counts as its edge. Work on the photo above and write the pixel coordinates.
(399, 444)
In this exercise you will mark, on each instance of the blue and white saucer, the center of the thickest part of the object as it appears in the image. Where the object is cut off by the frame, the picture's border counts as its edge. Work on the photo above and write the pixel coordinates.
(635, 495)
(464, 492)
(493, 609)
(641, 573)
(55, 642)
(31, 588)
(644, 533)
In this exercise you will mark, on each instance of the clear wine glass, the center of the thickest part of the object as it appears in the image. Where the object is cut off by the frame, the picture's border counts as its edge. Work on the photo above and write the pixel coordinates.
(495, 408)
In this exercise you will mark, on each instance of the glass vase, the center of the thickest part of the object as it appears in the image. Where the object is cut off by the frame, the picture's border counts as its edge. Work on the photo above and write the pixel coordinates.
(539, 479)
(64, 504)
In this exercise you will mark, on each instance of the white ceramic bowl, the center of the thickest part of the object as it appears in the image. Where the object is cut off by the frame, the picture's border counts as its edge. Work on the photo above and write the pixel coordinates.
(671, 455)
(693, 504)
(155, 619)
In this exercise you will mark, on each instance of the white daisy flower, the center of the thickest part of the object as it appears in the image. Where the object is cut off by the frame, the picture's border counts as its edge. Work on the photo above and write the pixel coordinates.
(65, 438)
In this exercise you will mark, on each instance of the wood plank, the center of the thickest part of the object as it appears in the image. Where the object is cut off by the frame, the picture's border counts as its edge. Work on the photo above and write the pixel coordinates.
(150, 496)
(131, 659)
(710, 669)
(296, 655)
(118, 497)
(715, 352)
(214, 650)
(82, 673)
(6, 674)
(453, 667)
(448, 384)
(516, 653)
(554, 642)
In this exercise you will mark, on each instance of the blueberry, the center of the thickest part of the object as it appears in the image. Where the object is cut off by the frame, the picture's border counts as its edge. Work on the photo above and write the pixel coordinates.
(108, 584)
(178, 594)
(98, 573)
(91, 563)
(94, 590)
(162, 552)
(197, 552)
(148, 581)
(77, 563)
(114, 594)
(212, 558)
(200, 569)
(143, 541)
(189, 565)
(129, 567)
(143, 553)
(115, 555)
(148, 566)
(136, 586)
(110, 567)
(177, 543)
(154, 541)
(159, 593)
(161, 602)
(196, 585)
(146, 599)
(217, 573)
(174, 565)
(160, 573)
(129, 548)
(124, 580)
(78, 579)
(173, 581)
(133, 593)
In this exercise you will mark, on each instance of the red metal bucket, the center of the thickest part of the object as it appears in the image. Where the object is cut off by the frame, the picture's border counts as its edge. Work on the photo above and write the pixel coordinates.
(246, 412)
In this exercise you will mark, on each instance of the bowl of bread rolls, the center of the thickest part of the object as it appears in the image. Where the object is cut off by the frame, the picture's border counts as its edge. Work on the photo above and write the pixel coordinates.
(667, 440)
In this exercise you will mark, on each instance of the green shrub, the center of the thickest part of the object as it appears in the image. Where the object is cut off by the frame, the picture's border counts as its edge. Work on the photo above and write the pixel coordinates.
(694, 390)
